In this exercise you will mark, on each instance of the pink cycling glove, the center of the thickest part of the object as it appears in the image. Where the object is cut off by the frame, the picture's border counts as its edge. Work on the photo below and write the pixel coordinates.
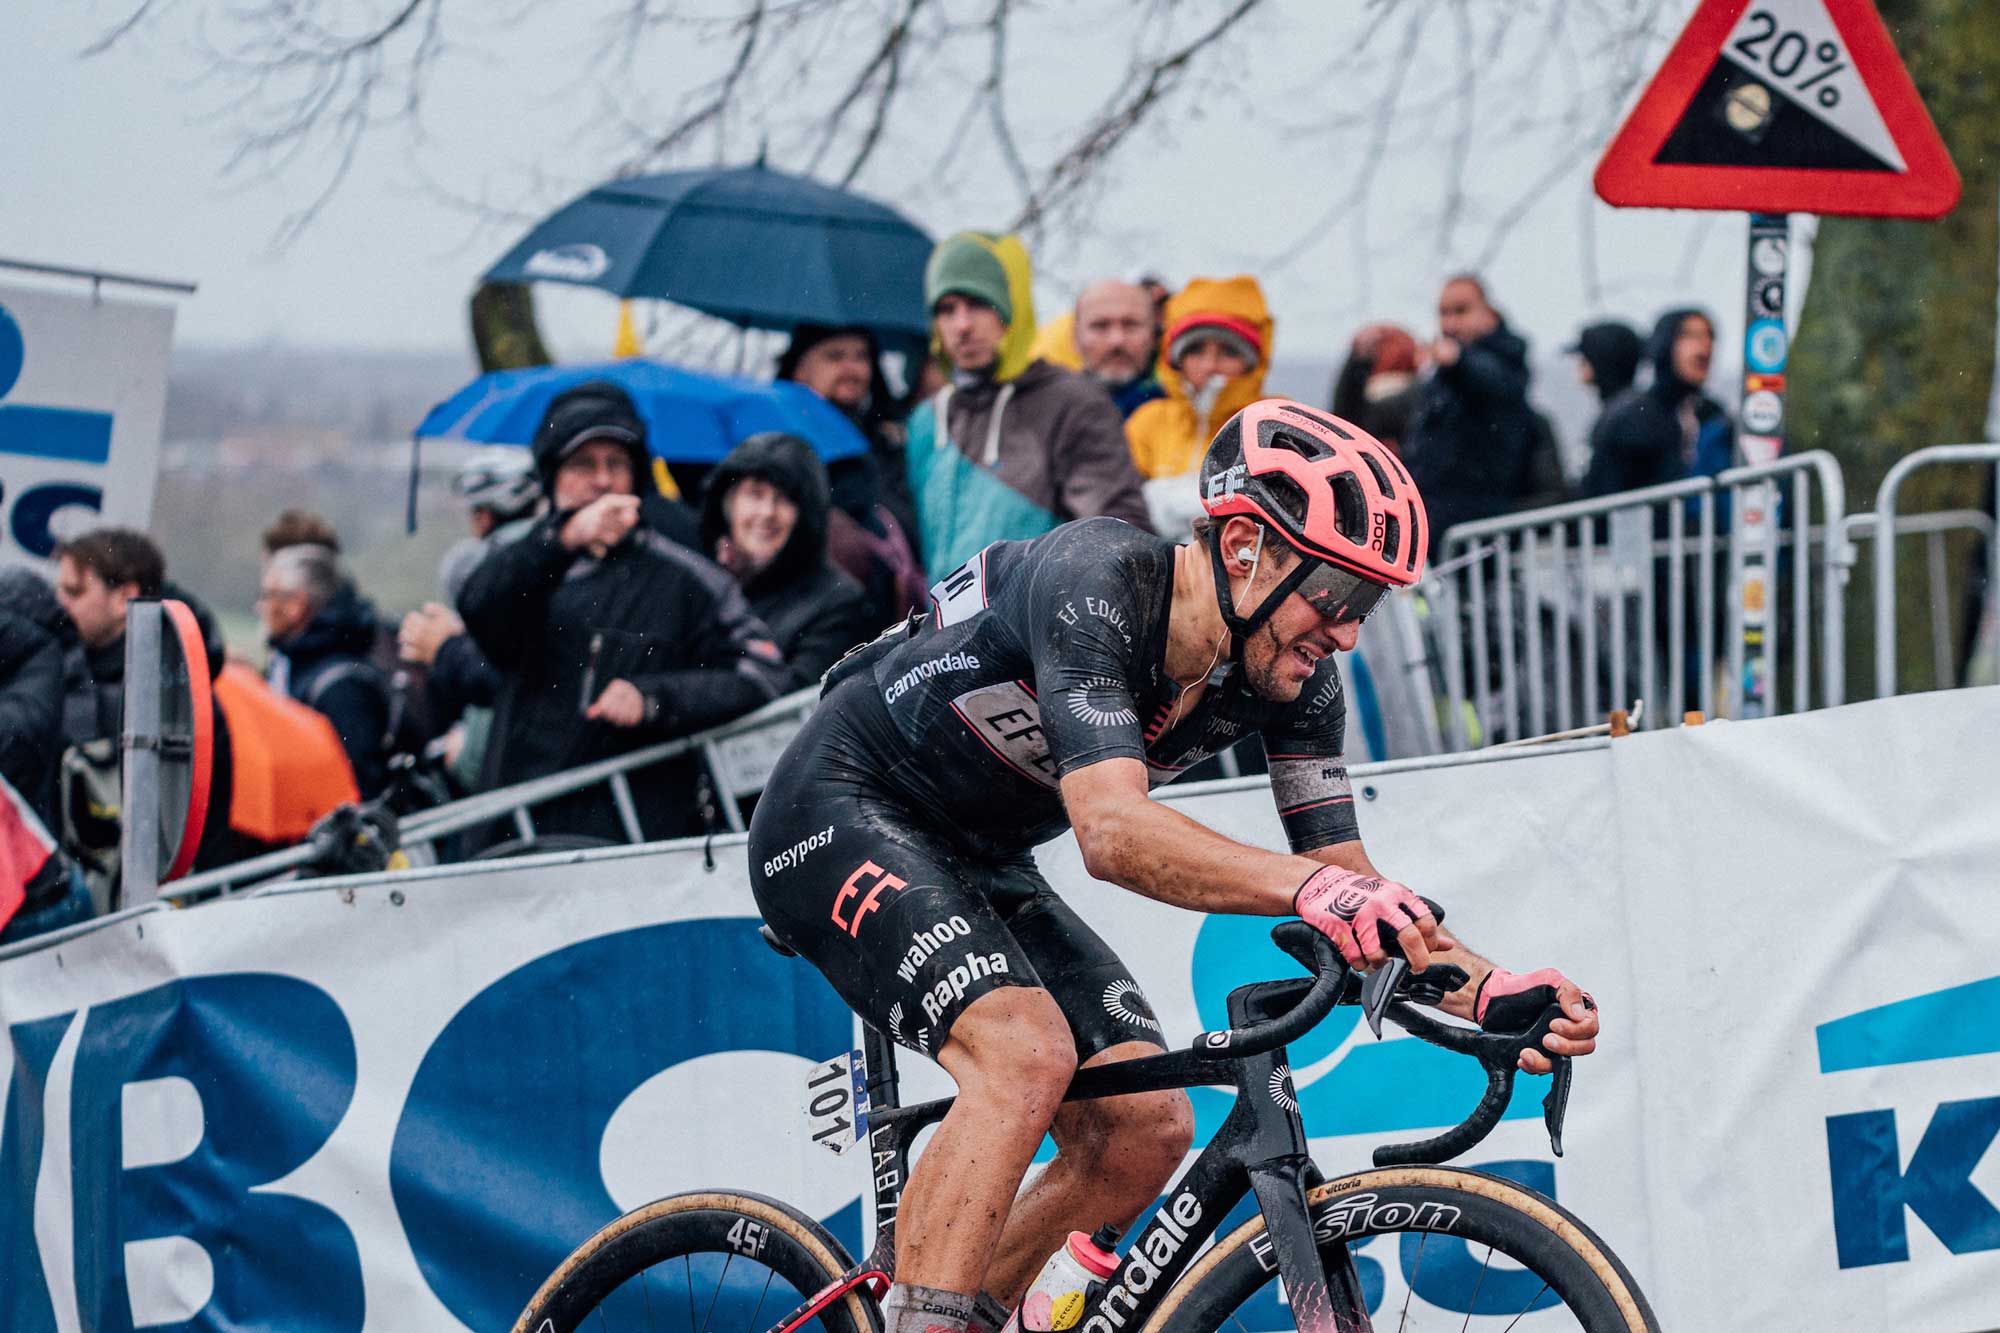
(1508, 1002)
(1348, 908)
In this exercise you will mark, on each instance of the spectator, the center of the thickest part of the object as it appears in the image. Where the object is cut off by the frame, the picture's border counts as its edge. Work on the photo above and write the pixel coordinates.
(765, 520)
(1216, 347)
(872, 526)
(609, 636)
(299, 527)
(1011, 446)
(97, 575)
(1378, 385)
(322, 636)
(1670, 429)
(32, 633)
(1113, 336)
(1473, 442)
(501, 495)
(1607, 358)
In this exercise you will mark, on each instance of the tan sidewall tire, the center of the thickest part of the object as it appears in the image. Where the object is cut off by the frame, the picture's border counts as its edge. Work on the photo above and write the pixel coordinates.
(1532, 1207)
(753, 1206)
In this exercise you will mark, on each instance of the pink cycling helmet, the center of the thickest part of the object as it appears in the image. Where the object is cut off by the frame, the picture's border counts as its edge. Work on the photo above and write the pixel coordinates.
(1328, 487)
(1335, 493)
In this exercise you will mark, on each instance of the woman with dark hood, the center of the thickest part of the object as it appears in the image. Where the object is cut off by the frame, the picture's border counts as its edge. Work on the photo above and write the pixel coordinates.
(871, 529)
(765, 520)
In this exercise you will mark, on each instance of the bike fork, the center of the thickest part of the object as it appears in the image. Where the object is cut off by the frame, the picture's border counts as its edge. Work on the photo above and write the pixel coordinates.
(1323, 1300)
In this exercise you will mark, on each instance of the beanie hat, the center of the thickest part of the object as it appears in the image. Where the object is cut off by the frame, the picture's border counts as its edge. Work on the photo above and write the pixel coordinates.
(597, 410)
(805, 337)
(965, 265)
(1238, 335)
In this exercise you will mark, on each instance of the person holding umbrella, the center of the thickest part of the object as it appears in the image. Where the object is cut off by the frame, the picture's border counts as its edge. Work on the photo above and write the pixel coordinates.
(872, 525)
(609, 636)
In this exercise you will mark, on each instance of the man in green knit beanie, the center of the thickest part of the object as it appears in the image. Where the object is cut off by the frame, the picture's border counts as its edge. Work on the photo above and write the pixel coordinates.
(1012, 445)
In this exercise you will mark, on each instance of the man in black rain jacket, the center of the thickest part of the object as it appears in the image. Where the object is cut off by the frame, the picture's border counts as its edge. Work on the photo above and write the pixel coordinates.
(609, 636)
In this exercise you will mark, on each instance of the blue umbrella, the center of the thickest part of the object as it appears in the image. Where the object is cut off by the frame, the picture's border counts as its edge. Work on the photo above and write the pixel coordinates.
(756, 247)
(690, 417)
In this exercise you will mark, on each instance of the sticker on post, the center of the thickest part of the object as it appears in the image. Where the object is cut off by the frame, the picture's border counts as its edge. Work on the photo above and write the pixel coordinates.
(836, 1102)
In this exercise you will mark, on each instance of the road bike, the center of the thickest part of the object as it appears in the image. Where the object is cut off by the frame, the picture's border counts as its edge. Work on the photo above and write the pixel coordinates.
(715, 1261)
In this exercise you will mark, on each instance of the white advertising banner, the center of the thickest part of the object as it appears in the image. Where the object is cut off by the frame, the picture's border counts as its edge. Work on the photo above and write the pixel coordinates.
(395, 1104)
(83, 389)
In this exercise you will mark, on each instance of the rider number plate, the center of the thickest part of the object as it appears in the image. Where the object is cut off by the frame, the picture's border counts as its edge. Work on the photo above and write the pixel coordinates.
(836, 1102)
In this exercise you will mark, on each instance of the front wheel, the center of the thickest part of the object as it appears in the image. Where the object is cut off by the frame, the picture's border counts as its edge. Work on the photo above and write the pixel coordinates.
(702, 1262)
(1470, 1251)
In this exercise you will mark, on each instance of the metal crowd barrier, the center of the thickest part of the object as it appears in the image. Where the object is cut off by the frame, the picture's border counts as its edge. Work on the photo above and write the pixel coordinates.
(1559, 614)
(739, 756)
(1885, 527)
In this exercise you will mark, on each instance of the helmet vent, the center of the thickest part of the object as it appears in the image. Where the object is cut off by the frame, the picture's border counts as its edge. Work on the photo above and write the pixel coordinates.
(1350, 507)
(1381, 477)
(1414, 554)
(1287, 494)
(1392, 537)
(1301, 445)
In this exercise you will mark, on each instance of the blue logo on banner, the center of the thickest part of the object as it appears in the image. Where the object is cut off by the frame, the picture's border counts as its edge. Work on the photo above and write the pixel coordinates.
(1765, 346)
(59, 433)
(1872, 1192)
(494, 1170)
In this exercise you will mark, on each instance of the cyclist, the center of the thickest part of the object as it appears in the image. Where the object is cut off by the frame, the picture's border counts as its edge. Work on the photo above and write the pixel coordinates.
(1052, 684)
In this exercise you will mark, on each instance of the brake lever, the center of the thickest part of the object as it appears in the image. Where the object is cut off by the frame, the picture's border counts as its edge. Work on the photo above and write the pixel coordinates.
(1556, 1104)
(1378, 991)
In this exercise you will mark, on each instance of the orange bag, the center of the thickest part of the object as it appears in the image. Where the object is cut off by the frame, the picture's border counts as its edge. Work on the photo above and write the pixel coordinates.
(289, 766)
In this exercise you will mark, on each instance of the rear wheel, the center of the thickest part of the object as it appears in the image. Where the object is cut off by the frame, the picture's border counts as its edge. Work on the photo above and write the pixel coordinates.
(703, 1262)
(1470, 1251)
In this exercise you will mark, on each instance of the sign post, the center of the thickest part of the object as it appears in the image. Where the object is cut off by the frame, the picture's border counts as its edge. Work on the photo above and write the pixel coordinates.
(1773, 107)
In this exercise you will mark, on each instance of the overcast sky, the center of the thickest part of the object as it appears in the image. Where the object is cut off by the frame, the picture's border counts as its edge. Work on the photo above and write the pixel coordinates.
(117, 161)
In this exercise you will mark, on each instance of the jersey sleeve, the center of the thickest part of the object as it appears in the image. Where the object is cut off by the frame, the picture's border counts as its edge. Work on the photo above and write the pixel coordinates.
(1087, 605)
(1306, 749)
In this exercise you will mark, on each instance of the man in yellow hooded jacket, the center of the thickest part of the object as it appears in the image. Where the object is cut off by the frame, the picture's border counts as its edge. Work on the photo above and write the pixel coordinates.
(1214, 350)
(1011, 446)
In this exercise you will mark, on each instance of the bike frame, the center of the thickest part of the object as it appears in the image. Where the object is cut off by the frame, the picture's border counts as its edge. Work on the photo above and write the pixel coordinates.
(1260, 1149)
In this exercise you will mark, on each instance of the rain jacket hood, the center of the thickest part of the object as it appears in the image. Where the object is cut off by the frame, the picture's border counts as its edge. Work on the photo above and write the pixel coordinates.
(1017, 347)
(1660, 353)
(1169, 436)
(790, 464)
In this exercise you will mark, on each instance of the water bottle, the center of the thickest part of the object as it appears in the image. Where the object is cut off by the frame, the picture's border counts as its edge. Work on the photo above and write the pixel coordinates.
(1057, 1296)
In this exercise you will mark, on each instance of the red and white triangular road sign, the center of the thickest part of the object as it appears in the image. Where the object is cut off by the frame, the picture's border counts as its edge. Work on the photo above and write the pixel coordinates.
(1782, 106)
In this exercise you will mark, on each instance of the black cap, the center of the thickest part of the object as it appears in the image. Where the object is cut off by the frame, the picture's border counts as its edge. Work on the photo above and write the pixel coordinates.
(597, 410)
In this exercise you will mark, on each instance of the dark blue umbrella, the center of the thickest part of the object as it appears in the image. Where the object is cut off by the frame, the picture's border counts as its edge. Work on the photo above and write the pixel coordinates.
(756, 247)
(690, 417)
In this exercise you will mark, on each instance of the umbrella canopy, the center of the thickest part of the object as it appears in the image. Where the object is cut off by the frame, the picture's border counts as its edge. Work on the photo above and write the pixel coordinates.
(747, 244)
(690, 417)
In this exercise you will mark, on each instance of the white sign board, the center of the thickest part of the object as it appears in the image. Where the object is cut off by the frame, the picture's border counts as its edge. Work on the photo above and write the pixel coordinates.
(395, 1103)
(83, 388)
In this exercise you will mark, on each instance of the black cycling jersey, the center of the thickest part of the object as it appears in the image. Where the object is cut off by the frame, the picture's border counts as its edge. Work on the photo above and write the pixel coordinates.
(892, 844)
(1046, 656)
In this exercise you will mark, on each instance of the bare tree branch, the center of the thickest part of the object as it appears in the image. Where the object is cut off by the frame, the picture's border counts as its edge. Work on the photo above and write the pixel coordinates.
(1155, 82)
(111, 36)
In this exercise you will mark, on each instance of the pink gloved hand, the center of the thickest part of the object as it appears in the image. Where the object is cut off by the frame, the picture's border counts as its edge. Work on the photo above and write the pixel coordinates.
(1510, 1002)
(1349, 909)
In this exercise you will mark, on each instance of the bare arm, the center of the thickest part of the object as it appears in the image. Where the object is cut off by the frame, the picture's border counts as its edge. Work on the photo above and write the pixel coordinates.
(1135, 842)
